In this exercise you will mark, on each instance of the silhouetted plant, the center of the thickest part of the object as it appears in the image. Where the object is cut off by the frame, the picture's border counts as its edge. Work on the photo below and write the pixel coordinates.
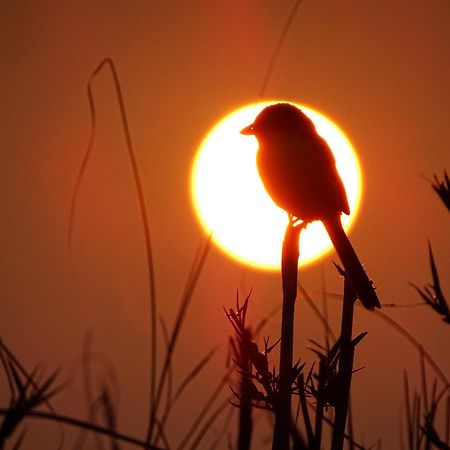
(432, 293)
(27, 392)
(259, 386)
(420, 415)
(442, 188)
(26, 395)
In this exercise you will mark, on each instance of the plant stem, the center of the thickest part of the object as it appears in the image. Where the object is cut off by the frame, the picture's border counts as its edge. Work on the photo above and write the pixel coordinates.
(345, 367)
(245, 411)
(84, 425)
(319, 408)
(289, 272)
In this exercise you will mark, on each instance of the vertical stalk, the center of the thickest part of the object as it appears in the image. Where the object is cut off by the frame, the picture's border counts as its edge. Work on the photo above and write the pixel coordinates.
(245, 411)
(319, 407)
(345, 367)
(289, 272)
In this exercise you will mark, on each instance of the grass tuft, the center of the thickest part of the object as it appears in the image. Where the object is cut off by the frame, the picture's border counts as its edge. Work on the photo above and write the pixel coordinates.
(432, 293)
(442, 188)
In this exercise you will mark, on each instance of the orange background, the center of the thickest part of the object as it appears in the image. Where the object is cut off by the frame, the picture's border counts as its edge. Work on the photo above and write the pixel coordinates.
(379, 69)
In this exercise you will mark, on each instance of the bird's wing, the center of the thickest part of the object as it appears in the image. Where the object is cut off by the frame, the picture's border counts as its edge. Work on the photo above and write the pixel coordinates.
(300, 175)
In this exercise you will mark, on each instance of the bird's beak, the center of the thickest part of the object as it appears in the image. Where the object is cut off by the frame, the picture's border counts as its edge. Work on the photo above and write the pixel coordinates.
(249, 130)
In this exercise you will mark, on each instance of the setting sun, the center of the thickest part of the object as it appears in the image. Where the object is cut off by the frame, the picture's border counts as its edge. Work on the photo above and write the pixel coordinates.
(231, 202)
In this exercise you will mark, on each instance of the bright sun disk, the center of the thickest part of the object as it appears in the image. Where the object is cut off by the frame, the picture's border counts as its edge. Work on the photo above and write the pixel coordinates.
(231, 202)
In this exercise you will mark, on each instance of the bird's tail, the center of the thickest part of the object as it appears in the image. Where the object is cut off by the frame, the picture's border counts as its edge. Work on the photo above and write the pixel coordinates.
(353, 268)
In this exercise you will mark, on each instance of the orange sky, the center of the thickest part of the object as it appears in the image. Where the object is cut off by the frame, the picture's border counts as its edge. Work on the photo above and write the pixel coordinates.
(379, 69)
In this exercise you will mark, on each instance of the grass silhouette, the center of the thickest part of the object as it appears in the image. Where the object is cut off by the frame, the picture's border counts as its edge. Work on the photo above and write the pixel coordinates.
(325, 385)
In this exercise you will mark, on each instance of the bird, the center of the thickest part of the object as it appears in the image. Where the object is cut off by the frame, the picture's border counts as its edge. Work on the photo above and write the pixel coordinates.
(298, 171)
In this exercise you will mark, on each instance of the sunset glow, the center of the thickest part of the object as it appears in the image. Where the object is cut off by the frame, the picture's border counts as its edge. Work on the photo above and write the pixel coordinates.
(231, 202)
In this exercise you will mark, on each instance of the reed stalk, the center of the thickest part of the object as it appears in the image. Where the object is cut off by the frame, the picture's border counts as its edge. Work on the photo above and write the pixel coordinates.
(345, 367)
(289, 273)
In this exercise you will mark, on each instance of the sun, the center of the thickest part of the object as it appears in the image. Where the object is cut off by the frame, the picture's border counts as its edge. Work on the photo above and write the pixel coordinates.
(230, 200)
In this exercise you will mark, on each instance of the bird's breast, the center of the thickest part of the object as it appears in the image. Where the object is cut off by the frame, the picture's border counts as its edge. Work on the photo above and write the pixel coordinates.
(301, 177)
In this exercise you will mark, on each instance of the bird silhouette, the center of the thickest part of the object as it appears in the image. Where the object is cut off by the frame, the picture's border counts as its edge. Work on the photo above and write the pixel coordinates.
(298, 170)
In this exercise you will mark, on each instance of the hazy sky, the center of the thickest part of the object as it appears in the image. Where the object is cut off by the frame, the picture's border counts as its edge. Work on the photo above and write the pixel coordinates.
(379, 69)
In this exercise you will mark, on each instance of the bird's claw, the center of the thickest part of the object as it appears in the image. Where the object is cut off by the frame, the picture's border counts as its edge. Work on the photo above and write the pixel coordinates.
(296, 222)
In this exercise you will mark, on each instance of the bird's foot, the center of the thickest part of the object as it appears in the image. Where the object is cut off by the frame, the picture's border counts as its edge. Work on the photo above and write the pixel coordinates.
(296, 222)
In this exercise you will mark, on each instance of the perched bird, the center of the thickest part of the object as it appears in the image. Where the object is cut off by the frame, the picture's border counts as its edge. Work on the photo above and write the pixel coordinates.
(299, 172)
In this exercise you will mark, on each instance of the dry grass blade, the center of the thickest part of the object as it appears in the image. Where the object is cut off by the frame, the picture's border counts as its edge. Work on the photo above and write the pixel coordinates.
(432, 437)
(417, 413)
(191, 284)
(85, 425)
(438, 371)
(428, 430)
(408, 413)
(213, 417)
(5, 365)
(277, 49)
(26, 393)
(355, 444)
(193, 373)
(317, 312)
(108, 62)
(19, 441)
(262, 323)
(204, 411)
(183, 385)
(94, 400)
(109, 414)
(243, 347)
(165, 332)
(9, 359)
(324, 299)
(298, 442)
(432, 293)
(220, 435)
(423, 377)
(237, 317)
(305, 413)
(442, 188)
(447, 421)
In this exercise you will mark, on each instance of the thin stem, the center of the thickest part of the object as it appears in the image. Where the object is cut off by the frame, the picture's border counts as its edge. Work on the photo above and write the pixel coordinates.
(85, 425)
(345, 367)
(277, 49)
(304, 407)
(185, 302)
(108, 62)
(289, 271)
(245, 410)
(319, 418)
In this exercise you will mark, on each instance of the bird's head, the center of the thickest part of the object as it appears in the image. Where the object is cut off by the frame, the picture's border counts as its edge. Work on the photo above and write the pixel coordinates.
(280, 118)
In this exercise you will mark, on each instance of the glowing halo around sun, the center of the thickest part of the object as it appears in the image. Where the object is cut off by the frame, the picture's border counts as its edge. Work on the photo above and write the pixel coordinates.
(232, 204)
